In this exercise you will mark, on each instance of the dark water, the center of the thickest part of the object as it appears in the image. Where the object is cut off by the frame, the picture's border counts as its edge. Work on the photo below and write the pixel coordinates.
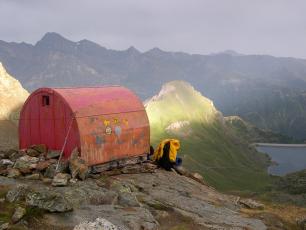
(289, 159)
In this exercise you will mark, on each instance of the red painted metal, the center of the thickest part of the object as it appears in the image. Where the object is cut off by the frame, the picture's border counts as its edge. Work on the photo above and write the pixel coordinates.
(108, 123)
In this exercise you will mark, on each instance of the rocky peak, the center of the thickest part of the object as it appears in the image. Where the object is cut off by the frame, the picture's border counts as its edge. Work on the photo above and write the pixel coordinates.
(55, 41)
(12, 94)
(155, 52)
(89, 45)
(179, 101)
(133, 51)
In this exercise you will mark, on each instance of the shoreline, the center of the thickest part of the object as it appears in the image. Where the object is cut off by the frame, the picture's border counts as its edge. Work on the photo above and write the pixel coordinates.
(279, 145)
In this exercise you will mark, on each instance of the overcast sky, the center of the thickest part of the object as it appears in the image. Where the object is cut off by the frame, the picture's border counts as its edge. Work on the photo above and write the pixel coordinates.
(276, 27)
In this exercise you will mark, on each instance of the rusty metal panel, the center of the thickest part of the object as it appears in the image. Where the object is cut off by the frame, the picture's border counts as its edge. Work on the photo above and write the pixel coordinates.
(107, 123)
(111, 137)
(47, 124)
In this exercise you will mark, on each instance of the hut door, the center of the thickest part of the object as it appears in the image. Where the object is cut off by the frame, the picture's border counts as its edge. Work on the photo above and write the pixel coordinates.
(46, 114)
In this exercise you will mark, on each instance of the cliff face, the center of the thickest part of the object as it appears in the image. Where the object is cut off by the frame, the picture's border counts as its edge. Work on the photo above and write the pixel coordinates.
(12, 97)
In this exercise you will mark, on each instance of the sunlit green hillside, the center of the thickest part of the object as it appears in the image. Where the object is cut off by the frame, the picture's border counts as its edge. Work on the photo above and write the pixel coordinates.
(208, 145)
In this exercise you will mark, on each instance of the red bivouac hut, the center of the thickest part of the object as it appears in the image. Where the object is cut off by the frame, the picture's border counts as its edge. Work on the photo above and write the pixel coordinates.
(104, 123)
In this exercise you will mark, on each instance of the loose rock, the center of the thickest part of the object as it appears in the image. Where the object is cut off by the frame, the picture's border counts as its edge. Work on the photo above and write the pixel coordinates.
(51, 170)
(77, 166)
(6, 162)
(18, 214)
(13, 155)
(18, 193)
(60, 179)
(3, 172)
(35, 176)
(26, 163)
(98, 224)
(43, 165)
(47, 180)
(32, 153)
(53, 154)
(197, 176)
(13, 173)
(41, 148)
(49, 201)
(251, 204)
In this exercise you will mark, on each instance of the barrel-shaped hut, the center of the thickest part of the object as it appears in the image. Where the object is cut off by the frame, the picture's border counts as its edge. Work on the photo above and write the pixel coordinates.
(104, 123)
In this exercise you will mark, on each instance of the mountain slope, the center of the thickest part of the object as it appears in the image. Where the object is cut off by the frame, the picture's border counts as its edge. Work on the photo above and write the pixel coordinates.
(12, 96)
(264, 90)
(208, 145)
(252, 134)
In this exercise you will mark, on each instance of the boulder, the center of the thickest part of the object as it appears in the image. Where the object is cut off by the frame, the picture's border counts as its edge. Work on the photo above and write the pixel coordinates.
(25, 164)
(43, 165)
(13, 155)
(51, 170)
(53, 154)
(41, 148)
(49, 201)
(3, 172)
(34, 176)
(32, 153)
(78, 166)
(18, 193)
(13, 173)
(251, 204)
(60, 179)
(98, 224)
(6, 162)
(18, 214)
(46, 180)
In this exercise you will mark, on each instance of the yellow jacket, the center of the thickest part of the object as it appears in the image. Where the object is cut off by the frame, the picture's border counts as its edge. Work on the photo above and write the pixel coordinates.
(174, 147)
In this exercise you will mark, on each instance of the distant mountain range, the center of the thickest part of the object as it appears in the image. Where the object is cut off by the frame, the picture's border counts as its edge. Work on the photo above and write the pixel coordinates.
(267, 91)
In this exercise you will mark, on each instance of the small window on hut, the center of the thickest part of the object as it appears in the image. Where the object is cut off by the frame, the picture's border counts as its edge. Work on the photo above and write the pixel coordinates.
(45, 100)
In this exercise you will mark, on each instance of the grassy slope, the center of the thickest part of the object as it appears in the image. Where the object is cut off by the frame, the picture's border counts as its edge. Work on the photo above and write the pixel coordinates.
(211, 149)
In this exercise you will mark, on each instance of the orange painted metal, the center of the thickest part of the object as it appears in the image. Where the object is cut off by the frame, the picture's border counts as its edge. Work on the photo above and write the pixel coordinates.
(108, 123)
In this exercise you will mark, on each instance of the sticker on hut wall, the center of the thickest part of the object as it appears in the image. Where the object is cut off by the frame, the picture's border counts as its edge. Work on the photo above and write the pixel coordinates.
(106, 122)
(116, 121)
(108, 130)
(125, 121)
(99, 140)
(118, 131)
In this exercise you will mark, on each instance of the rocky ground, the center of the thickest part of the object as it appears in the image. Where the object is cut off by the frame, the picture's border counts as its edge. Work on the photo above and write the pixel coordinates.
(157, 200)
(132, 197)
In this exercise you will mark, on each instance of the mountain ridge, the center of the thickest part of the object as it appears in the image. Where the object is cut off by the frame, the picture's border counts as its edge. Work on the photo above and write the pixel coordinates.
(261, 89)
(209, 146)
